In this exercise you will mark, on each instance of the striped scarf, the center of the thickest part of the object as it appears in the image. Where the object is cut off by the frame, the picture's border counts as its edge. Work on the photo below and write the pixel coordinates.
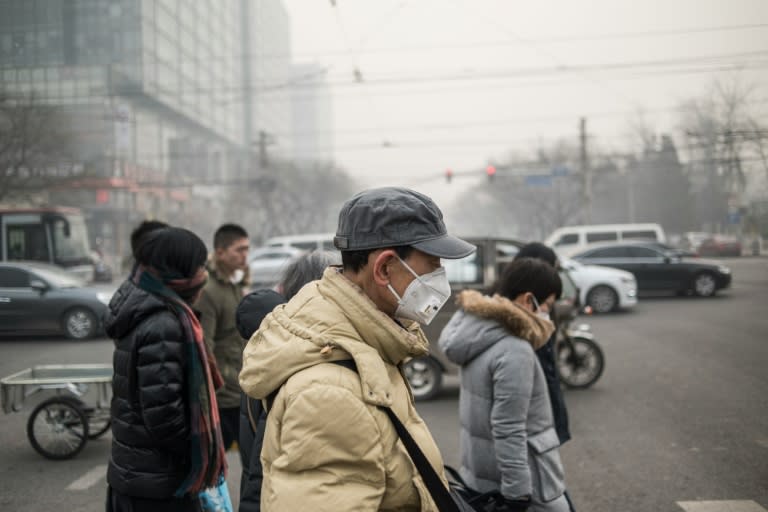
(203, 378)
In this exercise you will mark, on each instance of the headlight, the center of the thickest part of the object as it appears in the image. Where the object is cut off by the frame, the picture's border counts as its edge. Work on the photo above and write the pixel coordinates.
(628, 279)
(723, 269)
(104, 298)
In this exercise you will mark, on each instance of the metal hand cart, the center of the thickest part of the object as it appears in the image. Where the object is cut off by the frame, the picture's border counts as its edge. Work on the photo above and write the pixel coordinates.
(59, 426)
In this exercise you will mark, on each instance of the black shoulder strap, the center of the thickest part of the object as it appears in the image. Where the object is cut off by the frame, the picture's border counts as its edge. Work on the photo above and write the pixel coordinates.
(436, 488)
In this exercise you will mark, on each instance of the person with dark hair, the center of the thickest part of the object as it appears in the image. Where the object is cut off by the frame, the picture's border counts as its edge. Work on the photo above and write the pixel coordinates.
(227, 283)
(508, 441)
(546, 354)
(539, 251)
(166, 436)
(253, 418)
(143, 229)
(328, 444)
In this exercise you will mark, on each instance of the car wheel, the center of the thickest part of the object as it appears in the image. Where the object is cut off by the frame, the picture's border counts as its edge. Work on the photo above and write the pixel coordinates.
(704, 285)
(602, 299)
(425, 377)
(79, 324)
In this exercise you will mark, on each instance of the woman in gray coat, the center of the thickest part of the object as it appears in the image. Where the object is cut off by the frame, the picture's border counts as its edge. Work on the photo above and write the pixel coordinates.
(508, 440)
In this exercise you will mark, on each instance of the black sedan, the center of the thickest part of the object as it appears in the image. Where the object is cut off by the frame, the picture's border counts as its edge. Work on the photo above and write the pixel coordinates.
(658, 270)
(41, 299)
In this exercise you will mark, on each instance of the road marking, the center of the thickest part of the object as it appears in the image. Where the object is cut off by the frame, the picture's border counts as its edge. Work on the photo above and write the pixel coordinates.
(89, 479)
(721, 506)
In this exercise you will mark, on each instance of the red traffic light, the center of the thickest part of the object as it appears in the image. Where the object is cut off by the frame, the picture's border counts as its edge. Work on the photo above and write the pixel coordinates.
(448, 175)
(490, 171)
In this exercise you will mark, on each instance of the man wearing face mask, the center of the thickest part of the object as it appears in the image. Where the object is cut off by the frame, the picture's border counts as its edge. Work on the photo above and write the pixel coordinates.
(328, 445)
(227, 278)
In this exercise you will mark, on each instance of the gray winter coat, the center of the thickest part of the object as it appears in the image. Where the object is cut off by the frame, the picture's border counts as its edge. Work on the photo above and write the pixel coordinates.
(508, 439)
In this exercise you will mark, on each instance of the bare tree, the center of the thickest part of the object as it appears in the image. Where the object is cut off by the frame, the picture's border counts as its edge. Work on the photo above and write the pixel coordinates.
(725, 143)
(35, 149)
(286, 199)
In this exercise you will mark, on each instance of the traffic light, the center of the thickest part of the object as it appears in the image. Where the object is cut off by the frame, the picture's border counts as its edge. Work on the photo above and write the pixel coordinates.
(448, 175)
(490, 171)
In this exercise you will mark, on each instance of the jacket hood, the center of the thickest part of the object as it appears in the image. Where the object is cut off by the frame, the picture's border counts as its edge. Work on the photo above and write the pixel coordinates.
(483, 321)
(329, 320)
(129, 306)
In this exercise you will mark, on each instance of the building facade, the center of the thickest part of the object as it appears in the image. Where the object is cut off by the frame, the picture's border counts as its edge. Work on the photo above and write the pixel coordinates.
(150, 91)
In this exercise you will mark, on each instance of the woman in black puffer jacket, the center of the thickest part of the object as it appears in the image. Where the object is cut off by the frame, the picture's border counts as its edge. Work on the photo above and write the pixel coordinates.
(156, 345)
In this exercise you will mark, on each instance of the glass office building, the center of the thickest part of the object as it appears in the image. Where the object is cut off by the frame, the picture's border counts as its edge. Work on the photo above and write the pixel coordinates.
(152, 91)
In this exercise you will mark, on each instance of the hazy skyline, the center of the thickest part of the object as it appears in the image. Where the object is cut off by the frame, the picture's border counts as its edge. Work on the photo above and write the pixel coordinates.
(421, 86)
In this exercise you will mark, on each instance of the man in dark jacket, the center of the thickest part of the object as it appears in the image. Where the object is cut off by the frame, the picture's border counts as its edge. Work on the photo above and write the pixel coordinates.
(227, 279)
(253, 418)
(546, 354)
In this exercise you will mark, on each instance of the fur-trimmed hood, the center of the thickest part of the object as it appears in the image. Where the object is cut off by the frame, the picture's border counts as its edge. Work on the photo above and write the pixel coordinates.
(484, 320)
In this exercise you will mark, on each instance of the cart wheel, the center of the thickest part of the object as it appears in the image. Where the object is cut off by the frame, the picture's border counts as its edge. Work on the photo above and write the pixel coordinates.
(58, 428)
(99, 421)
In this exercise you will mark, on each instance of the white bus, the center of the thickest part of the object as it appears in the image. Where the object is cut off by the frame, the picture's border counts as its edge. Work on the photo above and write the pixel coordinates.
(55, 235)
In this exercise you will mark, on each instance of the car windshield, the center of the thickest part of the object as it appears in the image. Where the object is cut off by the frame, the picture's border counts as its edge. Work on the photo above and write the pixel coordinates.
(58, 279)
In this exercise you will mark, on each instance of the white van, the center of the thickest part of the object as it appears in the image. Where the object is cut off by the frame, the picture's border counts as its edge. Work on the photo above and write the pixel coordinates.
(571, 237)
(308, 242)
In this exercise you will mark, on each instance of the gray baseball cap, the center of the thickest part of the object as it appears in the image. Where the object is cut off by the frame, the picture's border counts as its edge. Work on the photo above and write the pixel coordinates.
(391, 217)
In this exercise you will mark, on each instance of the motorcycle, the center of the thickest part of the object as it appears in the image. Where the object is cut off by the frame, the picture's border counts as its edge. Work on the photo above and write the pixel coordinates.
(579, 359)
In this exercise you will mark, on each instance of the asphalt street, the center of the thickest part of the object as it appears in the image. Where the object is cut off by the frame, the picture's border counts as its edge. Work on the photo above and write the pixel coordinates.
(680, 415)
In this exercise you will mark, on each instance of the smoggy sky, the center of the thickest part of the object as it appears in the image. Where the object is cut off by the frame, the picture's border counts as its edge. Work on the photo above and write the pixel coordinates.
(454, 84)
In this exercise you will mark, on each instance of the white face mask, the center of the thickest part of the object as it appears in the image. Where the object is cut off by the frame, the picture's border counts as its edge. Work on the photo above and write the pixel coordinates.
(424, 296)
(539, 313)
(237, 276)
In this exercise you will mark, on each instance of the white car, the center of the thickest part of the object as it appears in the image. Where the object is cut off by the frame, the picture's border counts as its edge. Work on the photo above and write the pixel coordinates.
(267, 263)
(604, 289)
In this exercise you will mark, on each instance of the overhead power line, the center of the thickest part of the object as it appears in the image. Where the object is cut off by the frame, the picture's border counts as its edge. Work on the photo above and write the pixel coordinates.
(501, 43)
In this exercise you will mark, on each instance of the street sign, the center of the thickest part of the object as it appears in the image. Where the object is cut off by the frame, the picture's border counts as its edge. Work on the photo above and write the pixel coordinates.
(538, 180)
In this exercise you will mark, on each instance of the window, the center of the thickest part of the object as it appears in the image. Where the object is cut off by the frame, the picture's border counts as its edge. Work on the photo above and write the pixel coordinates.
(570, 239)
(644, 252)
(27, 242)
(14, 278)
(608, 252)
(305, 246)
(465, 270)
(639, 235)
(605, 236)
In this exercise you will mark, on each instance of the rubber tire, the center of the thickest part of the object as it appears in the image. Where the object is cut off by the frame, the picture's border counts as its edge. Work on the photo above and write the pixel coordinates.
(428, 367)
(610, 292)
(708, 276)
(78, 335)
(74, 405)
(594, 349)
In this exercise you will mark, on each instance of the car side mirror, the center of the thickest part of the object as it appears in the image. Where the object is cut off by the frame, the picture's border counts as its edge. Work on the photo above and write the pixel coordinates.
(38, 285)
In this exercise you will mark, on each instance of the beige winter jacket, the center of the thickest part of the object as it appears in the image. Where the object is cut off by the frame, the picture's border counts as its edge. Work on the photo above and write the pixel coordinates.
(328, 447)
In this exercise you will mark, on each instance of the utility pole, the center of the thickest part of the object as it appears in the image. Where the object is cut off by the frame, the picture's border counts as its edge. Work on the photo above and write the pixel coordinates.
(585, 169)
(263, 158)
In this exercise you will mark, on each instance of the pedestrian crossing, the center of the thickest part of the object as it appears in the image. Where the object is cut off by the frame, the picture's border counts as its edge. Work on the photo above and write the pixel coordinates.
(97, 475)
(721, 506)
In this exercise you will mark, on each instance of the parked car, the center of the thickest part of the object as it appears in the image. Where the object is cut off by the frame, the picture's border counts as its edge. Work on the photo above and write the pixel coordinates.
(36, 298)
(658, 270)
(604, 289)
(477, 271)
(691, 240)
(266, 263)
(720, 245)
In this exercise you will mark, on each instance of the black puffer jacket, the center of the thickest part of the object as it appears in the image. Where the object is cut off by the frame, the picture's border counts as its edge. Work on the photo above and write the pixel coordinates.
(250, 312)
(150, 421)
